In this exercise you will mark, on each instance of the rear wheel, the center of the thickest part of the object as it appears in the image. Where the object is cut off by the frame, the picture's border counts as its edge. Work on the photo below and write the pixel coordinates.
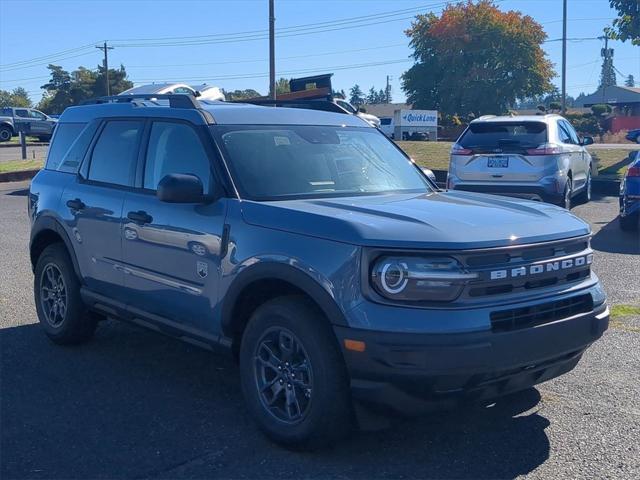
(566, 195)
(5, 134)
(585, 195)
(293, 375)
(61, 312)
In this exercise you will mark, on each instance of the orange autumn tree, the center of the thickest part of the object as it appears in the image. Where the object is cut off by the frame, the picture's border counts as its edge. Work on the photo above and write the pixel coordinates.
(475, 58)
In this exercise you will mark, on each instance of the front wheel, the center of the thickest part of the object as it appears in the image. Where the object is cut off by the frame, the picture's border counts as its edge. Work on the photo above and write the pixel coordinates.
(293, 375)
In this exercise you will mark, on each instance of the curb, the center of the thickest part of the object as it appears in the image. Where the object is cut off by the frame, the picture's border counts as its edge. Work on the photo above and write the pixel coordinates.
(18, 176)
(29, 144)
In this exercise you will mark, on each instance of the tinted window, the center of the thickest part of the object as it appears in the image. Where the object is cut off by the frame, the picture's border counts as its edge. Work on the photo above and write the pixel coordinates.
(274, 162)
(65, 134)
(22, 113)
(175, 148)
(483, 136)
(73, 158)
(37, 115)
(114, 155)
(572, 132)
(385, 121)
(563, 133)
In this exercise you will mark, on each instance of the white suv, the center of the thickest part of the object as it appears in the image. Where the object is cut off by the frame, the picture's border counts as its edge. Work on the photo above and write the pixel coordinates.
(536, 157)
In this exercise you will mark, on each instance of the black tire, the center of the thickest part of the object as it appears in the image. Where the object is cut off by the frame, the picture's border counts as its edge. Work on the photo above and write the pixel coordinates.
(567, 195)
(630, 223)
(71, 324)
(325, 409)
(5, 133)
(585, 194)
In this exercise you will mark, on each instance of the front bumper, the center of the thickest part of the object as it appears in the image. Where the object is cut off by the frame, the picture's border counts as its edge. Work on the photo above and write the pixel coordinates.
(413, 373)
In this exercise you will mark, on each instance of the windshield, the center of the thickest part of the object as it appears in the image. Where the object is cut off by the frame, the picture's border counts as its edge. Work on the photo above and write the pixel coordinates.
(276, 162)
(487, 136)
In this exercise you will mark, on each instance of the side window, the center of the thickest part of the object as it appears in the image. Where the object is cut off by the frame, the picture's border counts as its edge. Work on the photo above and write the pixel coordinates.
(182, 90)
(564, 135)
(65, 134)
(75, 154)
(114, 154)
(22, 113)
(572, 133)
(175, 148)
(36, 115)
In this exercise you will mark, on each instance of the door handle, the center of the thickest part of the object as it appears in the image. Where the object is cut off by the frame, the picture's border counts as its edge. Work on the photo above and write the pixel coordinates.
(76, 204)
(140, 217)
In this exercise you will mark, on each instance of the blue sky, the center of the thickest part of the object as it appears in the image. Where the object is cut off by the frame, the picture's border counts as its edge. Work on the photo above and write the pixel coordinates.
(356, 53)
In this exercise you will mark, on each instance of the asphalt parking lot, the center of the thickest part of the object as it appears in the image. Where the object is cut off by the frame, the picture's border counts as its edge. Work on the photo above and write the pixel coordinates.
(134, 404)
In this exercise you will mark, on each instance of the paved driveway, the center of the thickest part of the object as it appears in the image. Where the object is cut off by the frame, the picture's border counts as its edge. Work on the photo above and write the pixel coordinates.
(134, 404)
(14, 153)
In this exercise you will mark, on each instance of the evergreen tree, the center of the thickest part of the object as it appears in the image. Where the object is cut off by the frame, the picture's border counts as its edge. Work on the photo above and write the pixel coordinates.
(630, 81)
(356, 96)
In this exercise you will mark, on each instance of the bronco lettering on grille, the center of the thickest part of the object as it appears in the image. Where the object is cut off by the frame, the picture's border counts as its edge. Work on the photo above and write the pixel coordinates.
(539, 268)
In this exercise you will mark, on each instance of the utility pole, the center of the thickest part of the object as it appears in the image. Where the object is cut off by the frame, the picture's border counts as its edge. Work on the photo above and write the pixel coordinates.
(564, 56)
(106, 66)
(272, 51)
(388, 90)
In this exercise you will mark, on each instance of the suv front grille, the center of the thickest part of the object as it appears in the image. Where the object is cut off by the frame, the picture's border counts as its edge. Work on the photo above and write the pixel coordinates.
(523, 258)
(526, 317)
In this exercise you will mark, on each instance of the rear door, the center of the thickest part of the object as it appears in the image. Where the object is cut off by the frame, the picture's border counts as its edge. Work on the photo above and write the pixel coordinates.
(93, 203)
(39, 123)
(572, 148)
(498, 152)
(172, 250)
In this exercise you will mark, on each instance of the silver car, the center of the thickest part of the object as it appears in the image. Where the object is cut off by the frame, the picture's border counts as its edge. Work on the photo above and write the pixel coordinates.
(535, 157)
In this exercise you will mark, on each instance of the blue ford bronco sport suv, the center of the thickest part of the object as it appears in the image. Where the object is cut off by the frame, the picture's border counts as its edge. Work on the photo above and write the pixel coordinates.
(309, 245)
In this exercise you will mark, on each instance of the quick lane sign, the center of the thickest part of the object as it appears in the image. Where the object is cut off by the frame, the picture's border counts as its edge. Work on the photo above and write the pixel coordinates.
(418, 118)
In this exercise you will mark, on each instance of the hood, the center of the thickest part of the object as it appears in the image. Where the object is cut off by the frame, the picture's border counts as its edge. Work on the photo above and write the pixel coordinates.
(439, 220)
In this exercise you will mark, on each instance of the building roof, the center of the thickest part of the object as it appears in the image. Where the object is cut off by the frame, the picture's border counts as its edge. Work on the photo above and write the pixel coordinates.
(613, 95)
(386, 109)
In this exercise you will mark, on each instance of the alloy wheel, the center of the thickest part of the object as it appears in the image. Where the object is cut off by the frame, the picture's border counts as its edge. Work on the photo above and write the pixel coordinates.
(53, 295)
(283, 375)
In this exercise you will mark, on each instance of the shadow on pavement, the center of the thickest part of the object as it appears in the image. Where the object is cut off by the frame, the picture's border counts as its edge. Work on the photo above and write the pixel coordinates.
(19, 193)
(135, 404)
(611, 238)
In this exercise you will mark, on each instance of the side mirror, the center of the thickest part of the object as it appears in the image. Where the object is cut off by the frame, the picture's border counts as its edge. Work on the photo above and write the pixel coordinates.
(586, 141)
(180, 188)
(429, 174)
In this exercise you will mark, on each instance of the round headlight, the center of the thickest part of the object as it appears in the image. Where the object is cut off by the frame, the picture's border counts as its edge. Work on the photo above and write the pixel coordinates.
(393, 277)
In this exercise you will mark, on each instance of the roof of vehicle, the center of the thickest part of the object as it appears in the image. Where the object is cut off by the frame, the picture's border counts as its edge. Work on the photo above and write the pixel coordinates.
(223, 113)
(154, 88)
(516, 118)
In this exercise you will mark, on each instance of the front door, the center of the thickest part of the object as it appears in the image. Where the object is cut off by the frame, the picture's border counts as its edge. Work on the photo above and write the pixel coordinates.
(94, 203)
(171, 250)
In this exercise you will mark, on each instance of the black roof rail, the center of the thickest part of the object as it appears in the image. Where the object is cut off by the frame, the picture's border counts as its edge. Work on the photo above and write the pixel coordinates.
(176, 100)
(317, 104)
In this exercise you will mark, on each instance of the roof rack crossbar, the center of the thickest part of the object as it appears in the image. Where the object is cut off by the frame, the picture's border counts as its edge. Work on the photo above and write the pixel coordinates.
(176, 100)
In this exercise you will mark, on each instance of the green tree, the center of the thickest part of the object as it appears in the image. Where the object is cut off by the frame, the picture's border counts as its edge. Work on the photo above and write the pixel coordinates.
(16, 98)
(372, 96)
(630, 81)
(474, 58)
(627, 25)
(356, 96)
(282, 86)
(241, 94)
(601, 109)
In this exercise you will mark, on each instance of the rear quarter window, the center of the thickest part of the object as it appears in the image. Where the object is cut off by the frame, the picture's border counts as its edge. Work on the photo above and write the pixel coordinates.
(64, 136)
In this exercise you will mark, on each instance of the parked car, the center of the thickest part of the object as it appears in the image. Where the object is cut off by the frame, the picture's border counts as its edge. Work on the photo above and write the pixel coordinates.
(39, 124)
(536, 157)
(161, 89)
(633, 135)
(309, 246)
(372, 119)
(387, 126)
(209, 92)
(630, 194)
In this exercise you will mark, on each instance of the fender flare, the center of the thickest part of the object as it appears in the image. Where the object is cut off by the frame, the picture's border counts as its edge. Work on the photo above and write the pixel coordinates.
(49, 223)
(286, 273)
